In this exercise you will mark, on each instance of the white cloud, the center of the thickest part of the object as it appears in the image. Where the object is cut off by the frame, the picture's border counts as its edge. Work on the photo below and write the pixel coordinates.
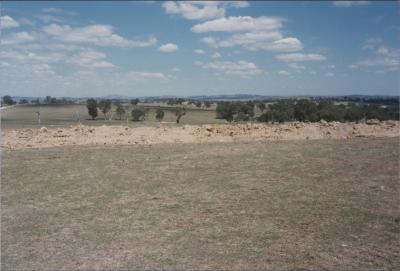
(176, 69)
(191, 11)
(91, 59)
(16, 38)
(384, 57)
(284, 73)
(199, 51)
(201, 10)
(59, 11)
(296, 66)
(8, 22)
(240, 23)
(371, 43)
(347, 4)
(270, 41)
(99, 35)
(216, 55)
(146, 75)
(297, 57)
(329, 74)
(46, 18)
(260, 33)
(241, 67)
(168, 48)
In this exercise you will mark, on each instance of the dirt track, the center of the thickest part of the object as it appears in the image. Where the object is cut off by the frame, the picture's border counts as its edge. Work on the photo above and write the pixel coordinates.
(116, 135)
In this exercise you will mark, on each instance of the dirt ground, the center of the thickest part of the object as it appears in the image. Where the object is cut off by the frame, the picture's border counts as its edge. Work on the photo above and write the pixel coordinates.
(123, 135)
(282, 205)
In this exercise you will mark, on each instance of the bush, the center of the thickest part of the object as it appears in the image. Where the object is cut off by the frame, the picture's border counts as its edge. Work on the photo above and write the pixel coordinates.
(120, 110)
(105, 107)
(159, 114)
(91, 105)
(138, 114)
(179, 112)
(8, 100)
(226, 110)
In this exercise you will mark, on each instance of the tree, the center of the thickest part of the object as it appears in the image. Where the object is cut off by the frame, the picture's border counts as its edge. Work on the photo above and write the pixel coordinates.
(120, 110)
(91, 105)
(134, 101)
(198, 104)
(138, 114)
(105, 107)
(226, 110)
(179, 113)
(8, 100)
(159, 114)
(261, 106)
(353, 113)
(23, 101)
(207, 104)
(280, 112)
(48, 100)
(305, 110)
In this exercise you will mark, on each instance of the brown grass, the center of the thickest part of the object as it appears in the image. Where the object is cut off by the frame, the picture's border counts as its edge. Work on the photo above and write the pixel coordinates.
(279, 205)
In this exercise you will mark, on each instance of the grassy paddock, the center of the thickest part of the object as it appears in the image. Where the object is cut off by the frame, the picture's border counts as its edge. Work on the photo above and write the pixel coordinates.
(66, 115)
(301, 204)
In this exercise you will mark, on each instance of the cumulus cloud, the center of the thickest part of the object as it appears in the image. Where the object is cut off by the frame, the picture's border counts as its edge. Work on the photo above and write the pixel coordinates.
(199, 51)
(17, 38)
(329, 74)
(47, 18)
(260, 33)
(296, 66)
(8, 22)
(240, 23)
(241, 67)
(201, 10)
(97, 34)
(383, 56)
(347, 4)
(216, 55)
(91, 59)
(297, 57)
(146, 75)
(168, 48)
(58, 11)
(283, 72)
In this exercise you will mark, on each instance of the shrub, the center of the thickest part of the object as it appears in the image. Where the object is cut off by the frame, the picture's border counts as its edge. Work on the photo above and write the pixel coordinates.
(138, 114)
(91, 105)
(159, 114)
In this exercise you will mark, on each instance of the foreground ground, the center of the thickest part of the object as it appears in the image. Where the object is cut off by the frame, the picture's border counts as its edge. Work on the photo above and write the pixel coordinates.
(294, 204)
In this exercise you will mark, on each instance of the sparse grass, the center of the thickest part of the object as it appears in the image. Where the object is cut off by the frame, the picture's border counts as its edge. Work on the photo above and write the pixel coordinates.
(277, 205)
(66, 115)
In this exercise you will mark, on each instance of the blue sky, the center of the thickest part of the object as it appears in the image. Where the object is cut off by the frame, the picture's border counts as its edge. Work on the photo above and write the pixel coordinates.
(199, 48)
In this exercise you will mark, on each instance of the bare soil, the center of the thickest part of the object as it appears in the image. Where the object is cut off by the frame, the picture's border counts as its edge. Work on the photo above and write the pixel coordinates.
(164, 133)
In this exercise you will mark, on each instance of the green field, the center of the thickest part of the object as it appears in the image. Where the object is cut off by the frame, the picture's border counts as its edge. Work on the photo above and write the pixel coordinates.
(66, 115)
(279, 205)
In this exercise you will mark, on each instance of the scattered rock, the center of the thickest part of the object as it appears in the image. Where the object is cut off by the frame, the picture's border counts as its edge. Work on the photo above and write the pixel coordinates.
(373, 122)
(43, 130)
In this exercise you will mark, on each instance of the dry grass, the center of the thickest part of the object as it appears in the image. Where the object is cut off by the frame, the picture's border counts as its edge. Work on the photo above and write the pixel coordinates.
(297, 204)
(66, 115)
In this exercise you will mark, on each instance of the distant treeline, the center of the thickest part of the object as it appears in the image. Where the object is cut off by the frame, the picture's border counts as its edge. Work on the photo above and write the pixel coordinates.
(306, 111)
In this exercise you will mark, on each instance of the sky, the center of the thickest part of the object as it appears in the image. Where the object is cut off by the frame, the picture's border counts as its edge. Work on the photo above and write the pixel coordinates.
(154, 48)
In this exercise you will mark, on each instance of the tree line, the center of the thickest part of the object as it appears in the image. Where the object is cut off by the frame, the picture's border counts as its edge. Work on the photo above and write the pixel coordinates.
(305, 111)
(137, 113)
